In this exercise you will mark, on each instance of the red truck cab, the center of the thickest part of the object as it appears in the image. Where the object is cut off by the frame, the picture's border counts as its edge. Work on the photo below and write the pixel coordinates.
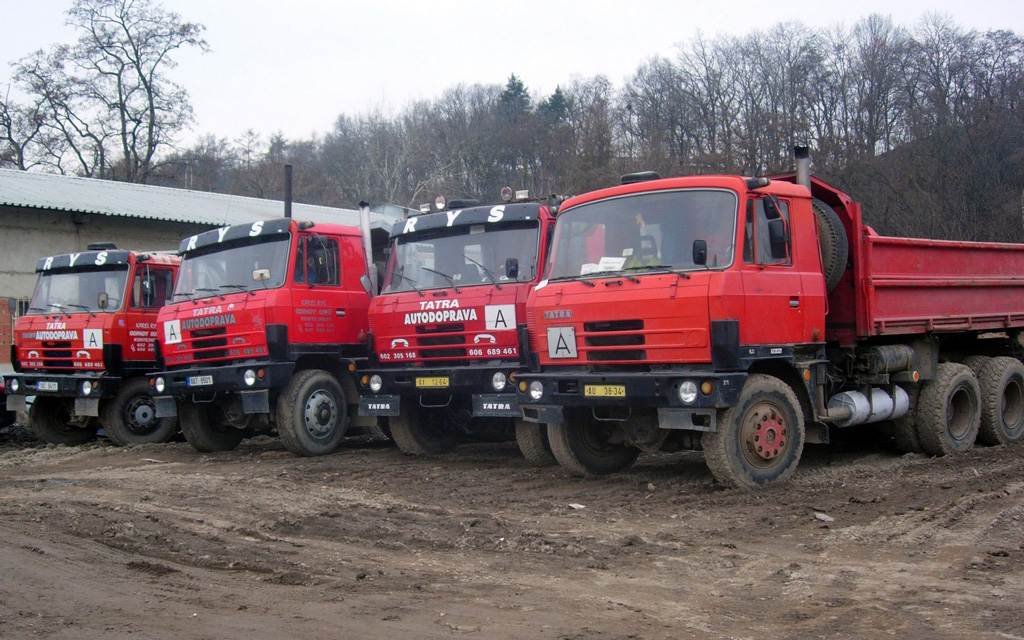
(446, 327)
(747, 316)
(265, 324)
(86, 344)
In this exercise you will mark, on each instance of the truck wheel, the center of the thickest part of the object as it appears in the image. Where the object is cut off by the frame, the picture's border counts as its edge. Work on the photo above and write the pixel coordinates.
(51, 421)
(949, 410)
(760, 440)
(588, 447)
(532, 438)
(904, 429)
(420, 433)
(1002, 401)
(832, 239)
(130, 417)
(312, 414)
(206, 427)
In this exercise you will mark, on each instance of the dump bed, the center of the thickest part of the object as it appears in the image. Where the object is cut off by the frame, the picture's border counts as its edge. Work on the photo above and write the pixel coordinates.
(898, 286)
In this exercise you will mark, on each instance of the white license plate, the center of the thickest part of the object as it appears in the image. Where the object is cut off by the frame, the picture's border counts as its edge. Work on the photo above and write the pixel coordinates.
(200, 381)
(46, 386)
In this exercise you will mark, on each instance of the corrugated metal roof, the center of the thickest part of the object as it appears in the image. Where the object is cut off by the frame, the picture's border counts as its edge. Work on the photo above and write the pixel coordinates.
(104, 197)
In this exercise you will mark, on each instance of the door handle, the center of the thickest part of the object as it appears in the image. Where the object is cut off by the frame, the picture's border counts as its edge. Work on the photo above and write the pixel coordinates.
(340, 313)
(794, 303)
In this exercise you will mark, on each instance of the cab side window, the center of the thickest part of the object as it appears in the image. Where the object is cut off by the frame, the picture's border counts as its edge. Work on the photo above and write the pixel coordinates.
(766, 232)
(317, 262)
(151, 288)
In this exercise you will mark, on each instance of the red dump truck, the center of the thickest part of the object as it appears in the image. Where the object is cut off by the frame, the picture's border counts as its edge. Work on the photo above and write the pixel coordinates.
(747, 316)
(86, 345)
(266, 323)
(446, 327)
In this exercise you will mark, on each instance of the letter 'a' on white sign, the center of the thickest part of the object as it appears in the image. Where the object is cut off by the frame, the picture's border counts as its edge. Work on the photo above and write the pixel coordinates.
(92, 338)
(561, 342)
(500, 316)
(172, 332)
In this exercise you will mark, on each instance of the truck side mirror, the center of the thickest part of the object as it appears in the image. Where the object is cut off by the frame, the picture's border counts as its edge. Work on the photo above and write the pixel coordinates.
(103, 300)
(365, 281)
(778, 238)
(700, 252)
(512, 268)
(259, 275)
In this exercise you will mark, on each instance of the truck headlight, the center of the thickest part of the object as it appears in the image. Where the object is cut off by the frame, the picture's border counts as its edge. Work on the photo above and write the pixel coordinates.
(159, 385)
(249, 377)
(376, 383)
(15, 385)
(498, 381)
(688, 392)
(86, 388)
(536, 390)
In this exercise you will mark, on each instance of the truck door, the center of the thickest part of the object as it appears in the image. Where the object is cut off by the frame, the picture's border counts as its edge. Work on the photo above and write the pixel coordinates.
(149, 289)
(772, 286)
(319, 302)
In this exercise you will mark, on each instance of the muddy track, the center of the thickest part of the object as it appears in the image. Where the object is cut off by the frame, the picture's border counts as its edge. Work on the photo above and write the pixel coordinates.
(155, 540)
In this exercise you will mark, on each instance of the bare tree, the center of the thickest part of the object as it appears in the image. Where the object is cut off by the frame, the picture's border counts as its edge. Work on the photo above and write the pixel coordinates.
(106, 105)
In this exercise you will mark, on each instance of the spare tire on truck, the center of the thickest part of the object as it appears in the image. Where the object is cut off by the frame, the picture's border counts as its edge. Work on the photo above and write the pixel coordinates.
(834, 247)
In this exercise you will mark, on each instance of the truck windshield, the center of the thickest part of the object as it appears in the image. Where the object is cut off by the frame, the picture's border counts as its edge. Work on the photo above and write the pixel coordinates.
(463, 256)
(645, 232)
(79, 291)
(240, 266)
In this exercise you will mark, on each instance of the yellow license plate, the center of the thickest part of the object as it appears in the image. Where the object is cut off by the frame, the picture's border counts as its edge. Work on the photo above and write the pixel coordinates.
(604, 391)
(432, 382)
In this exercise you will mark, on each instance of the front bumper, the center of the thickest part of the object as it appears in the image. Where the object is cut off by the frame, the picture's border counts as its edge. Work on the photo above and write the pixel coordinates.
(441, 386)
(657, 390)
(206, 382)
(62, 386)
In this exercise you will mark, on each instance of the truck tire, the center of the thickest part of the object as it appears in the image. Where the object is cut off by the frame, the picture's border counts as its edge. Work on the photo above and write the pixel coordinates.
(904, 429)
(206, 428)
(834, 247)
(312, 414)
(949, 410)
(420, 433)
(760, 440)
(51, 422)
(532, 438)
(130, 417)
(1002, 401)
(587, 447)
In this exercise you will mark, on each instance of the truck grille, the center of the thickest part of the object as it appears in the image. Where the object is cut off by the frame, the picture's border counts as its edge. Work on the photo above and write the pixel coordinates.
(210, 344)
(615, 340)
(439, 341)
(57, 355)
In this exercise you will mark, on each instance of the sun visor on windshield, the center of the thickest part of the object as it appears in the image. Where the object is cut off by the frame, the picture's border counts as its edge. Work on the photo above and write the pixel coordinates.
(83, 259)
(463, 217)
(258, 229)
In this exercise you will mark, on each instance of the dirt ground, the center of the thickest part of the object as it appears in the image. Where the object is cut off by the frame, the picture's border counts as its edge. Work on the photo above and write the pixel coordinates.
(160, 541)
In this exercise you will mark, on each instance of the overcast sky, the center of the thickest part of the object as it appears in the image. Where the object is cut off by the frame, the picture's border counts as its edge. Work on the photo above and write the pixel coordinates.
(293, 66)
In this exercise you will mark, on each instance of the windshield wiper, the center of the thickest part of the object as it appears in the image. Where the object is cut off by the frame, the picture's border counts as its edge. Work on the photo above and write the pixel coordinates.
(412, 283)
(213, 291)
(487, 272)
(240, 287)
(445, 276)
(87, 309)
(60, 308)
(182, 294)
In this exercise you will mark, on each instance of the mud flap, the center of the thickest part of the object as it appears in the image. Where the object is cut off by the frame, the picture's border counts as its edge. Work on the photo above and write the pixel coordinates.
(87, 407)
(495, 406)
(255, 401)
(166, 407)
(379, 405)
(16, 403)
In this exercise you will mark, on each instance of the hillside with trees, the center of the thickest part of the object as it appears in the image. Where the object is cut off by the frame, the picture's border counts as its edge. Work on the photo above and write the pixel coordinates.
(922, 123)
